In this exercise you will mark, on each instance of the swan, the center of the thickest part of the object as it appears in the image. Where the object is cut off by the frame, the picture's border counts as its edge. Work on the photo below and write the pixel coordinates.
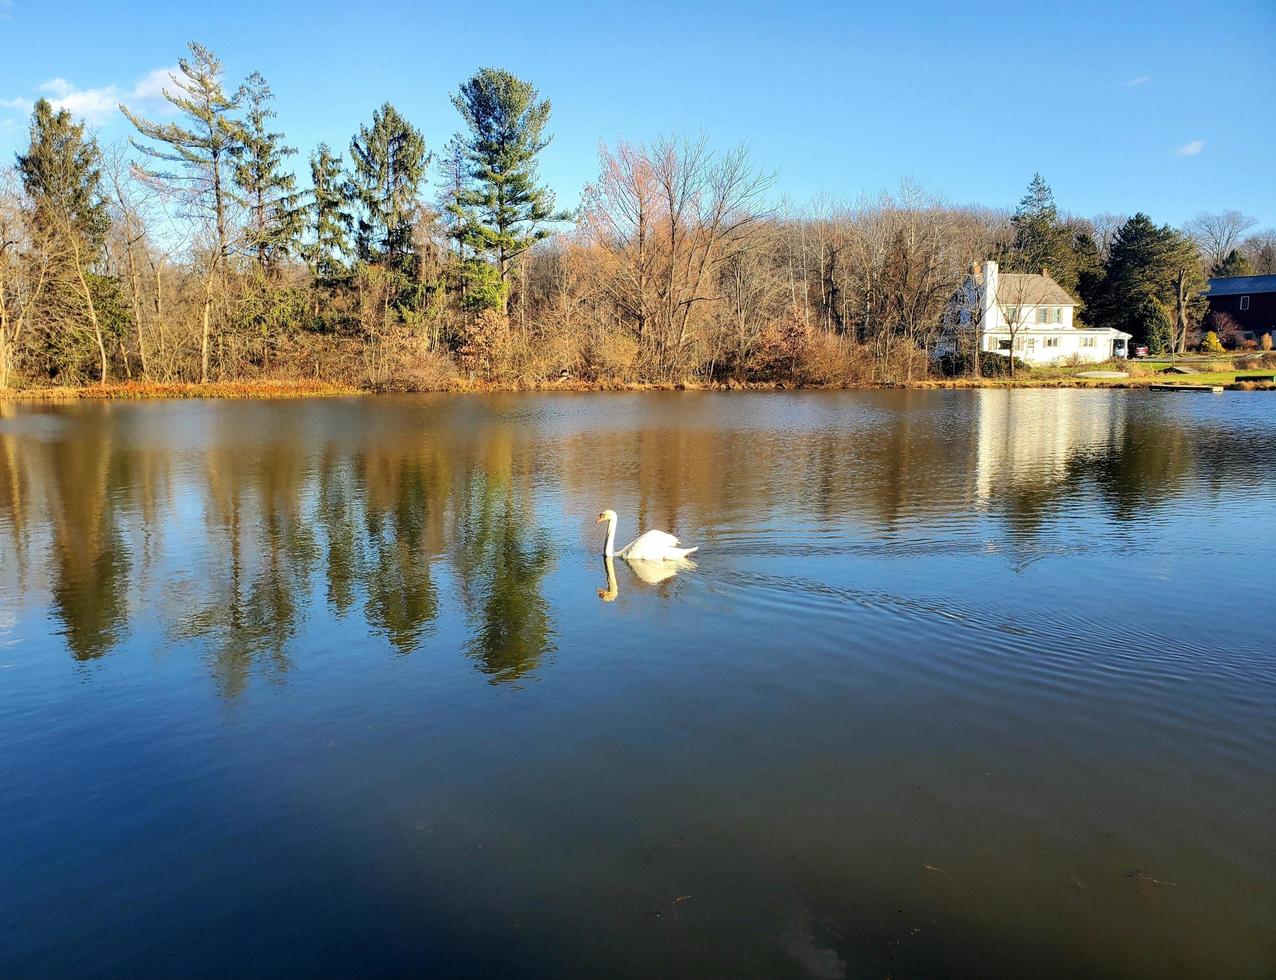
(651, 546)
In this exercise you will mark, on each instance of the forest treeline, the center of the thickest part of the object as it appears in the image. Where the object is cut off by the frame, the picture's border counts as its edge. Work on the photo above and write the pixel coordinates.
(194, 253)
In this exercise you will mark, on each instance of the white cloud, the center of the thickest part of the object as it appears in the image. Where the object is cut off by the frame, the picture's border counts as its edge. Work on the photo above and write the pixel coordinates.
(93, 105)
(1140, 80)
(150, 87)
(98, 105)
(1190, 149)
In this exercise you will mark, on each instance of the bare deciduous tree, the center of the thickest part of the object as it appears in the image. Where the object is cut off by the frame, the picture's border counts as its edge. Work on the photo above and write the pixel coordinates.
(667, 216)
(1218, 234)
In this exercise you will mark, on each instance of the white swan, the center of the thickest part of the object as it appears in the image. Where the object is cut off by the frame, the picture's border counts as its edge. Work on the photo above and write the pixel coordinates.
(651, 546)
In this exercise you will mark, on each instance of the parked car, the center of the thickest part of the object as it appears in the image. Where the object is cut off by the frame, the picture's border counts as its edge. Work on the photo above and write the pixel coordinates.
(1139, 350)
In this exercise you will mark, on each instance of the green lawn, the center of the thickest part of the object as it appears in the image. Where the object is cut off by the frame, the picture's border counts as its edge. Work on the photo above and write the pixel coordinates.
(1146, 371)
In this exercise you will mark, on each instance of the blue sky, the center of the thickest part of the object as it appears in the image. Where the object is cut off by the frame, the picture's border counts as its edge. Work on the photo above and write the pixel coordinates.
(1163, 107)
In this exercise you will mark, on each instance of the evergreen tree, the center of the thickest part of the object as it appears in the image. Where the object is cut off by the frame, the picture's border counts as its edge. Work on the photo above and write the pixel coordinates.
(1152, 322)
(1089, 274)
(269, 190)
(502, 208)
(329, 223)
(1041, 241)
(205, 147)
(61, 174)
(1233, 264)
(390, 161)
(452, 163)
(1149, 261)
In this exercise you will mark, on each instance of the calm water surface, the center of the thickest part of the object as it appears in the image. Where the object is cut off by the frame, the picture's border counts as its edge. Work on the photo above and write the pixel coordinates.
(963, 683)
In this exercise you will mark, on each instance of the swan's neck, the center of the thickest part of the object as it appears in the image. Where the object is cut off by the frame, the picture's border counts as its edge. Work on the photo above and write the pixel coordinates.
(609, 549)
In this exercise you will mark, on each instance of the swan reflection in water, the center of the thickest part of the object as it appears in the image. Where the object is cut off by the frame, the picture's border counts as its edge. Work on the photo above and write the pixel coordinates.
(647, 572)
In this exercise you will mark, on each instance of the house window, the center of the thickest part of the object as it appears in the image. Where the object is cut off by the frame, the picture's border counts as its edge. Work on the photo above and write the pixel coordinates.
(1012, 314)
(1058, 314)
(1052, 341)
(1019, 344)
(1003, 345)
(1244, 302)
(1043, 315)
(1087, 341)
(1032, 343)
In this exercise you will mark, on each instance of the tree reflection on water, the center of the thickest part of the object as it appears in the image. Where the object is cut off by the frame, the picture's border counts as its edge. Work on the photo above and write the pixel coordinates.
(232, 524)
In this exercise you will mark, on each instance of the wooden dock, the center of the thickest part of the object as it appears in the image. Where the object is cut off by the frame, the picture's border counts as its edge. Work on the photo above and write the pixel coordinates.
(1184, 387)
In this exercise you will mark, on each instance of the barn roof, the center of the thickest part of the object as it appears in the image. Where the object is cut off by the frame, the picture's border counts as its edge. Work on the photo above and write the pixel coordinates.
(1241, 285)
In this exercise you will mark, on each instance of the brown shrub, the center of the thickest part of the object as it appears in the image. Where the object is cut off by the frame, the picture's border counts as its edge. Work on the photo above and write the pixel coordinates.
(834, 361)
(403, 360)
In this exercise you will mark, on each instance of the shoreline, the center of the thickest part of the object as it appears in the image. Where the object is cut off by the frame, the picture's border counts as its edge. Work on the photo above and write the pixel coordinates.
(284, 389)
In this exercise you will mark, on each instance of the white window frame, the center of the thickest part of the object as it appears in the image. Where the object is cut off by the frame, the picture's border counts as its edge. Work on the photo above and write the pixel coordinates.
(1052, 342)
(1244, 303)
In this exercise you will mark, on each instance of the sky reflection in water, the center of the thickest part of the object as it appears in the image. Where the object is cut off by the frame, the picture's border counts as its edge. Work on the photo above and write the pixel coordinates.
(959, 682)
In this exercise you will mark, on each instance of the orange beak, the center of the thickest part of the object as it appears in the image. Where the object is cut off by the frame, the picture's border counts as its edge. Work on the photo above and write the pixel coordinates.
(601, 518)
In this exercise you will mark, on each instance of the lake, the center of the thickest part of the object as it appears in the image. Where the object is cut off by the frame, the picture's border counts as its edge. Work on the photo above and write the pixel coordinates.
(962, 683)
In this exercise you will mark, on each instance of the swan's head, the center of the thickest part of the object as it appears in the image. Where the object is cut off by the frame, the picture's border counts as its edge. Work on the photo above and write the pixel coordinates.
(607, 515)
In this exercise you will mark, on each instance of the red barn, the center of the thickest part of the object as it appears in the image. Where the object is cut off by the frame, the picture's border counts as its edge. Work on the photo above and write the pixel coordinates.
(1248, 301)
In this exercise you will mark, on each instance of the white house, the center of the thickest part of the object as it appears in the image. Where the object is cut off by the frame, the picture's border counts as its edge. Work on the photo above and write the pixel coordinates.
(1030, 313)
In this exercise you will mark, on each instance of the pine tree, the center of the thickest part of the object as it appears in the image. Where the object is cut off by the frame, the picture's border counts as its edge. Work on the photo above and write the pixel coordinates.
(451, 189)
(503, 209)
(1152, 322)
(269, 190)
(205, 147)
(1233, 264)
(61, 174)
(1089, 274)
(389, 161)
(1148, 261)
(328, 221)
(1041, 241)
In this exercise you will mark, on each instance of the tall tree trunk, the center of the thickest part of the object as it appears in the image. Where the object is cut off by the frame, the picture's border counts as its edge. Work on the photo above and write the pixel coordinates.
(207, 329)
(1180, 312)
(89, 306)
(5, 336)
(136, 297)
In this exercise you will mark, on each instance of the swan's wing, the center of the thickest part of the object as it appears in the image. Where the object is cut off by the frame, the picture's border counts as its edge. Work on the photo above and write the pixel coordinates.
(653, 546)
(660, 539)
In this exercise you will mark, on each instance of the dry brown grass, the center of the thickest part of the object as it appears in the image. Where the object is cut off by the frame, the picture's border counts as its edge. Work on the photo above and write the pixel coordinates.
(214, 389)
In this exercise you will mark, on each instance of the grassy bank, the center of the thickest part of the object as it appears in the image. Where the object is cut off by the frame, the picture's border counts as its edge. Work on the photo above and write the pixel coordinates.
(139, 390)
(1141, 376)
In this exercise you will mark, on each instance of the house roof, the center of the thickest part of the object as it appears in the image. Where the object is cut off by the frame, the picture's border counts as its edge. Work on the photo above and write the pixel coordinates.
(1241, 285)
(1057, 331)
(1028, 289)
